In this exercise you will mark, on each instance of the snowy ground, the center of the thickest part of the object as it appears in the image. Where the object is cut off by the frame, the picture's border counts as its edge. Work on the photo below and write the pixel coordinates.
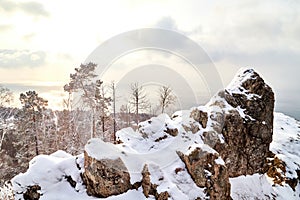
(51, 172)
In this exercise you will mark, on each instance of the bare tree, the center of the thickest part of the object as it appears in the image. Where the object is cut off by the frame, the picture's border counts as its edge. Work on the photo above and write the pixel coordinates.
(6, 96)
(166, 97)
(124, 116)
(138, 99)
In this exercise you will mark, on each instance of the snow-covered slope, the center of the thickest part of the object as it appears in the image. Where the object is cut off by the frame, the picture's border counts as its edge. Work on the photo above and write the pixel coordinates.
(190, 155)
(51, 171)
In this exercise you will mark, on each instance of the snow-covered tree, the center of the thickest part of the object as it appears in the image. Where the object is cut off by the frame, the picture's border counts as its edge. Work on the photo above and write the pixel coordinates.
(6, 96)
(33, 107)
(92, 95)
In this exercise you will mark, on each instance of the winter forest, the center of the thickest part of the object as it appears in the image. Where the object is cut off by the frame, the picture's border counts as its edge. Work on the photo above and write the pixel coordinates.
(89, 111)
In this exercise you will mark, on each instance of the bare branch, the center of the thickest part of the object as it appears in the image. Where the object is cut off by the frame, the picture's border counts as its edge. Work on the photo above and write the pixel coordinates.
(166, 97)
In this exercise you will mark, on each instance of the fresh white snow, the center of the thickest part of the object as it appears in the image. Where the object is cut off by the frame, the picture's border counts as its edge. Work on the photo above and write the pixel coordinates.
(50, 171)
(151, 145)
(286, 142)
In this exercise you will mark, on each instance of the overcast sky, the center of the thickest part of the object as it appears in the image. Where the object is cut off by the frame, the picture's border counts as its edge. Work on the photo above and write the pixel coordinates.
(43, 41)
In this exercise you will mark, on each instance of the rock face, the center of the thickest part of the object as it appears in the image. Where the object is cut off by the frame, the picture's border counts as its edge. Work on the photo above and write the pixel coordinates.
(247, 128)
(105, 177)
(207, 170)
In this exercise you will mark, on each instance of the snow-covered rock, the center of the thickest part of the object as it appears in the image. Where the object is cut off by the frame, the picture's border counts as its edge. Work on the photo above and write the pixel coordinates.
(221, 150)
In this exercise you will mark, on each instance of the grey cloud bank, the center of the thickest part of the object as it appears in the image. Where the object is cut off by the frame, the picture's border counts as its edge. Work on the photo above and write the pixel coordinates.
(21, 58)
(31, 7)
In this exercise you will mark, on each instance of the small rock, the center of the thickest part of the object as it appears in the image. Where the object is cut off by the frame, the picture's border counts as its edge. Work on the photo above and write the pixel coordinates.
(32, 193)
(199, 116)
(146, 182)
(172, 131)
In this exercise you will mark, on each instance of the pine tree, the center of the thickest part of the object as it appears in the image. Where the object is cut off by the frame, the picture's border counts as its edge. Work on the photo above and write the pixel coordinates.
(92, 96)
(33, 107)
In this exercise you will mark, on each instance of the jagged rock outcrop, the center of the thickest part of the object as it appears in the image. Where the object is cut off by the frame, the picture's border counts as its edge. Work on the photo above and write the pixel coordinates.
(105, 177)
(246, 124)
(207, 170)
(236, 127)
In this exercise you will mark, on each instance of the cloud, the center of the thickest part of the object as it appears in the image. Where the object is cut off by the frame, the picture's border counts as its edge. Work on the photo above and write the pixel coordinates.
(31, 7)
(23, 87)
(34, 8)
(7, 5)
(29, 37)
(264, 35)
(167, 23)
(21, 58)
(251, 26)
(5, 27)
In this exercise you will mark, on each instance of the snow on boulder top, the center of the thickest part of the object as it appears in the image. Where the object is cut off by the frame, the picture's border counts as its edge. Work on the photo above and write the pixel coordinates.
(239, 83)
(98, 149)
(61, 154)
(241, 76)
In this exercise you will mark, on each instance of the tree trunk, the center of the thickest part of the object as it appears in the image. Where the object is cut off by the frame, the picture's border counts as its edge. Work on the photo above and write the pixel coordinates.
(36, 145)
(114, 110)
(35, 137)
(137, 110)
(103, 124)
(94, 126)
